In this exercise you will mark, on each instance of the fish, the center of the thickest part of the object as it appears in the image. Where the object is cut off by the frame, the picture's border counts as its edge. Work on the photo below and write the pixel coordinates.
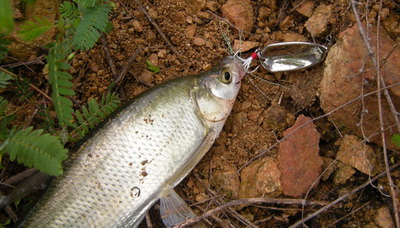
(141, 153)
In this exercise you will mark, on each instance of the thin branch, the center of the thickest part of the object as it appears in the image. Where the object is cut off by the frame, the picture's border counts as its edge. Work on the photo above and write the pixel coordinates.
(333, 203)
(381, 83)
(246, 202)
(108, 56)
(32, 62)
(124, 70)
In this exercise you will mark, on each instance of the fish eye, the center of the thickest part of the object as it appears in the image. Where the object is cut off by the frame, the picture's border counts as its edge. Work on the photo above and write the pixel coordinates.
(226, 77)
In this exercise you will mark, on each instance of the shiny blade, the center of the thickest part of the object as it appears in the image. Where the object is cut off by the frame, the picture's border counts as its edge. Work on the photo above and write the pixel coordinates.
(291, 56)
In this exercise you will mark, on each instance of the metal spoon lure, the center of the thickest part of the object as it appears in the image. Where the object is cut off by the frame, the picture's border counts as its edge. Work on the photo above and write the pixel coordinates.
(287, 56)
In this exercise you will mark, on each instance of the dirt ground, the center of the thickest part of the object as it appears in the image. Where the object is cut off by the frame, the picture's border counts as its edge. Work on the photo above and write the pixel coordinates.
(200, 35)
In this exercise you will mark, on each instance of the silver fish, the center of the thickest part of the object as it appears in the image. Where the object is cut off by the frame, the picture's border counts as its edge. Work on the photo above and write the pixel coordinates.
(140, 154)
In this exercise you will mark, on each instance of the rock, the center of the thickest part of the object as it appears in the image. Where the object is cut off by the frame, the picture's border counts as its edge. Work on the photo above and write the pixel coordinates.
(298, 158)
(318, 22)
(199, 41)
(191, 31)
(328, 168)
(179, 17)
(383, 218)
(240, 13)
(343, 173)
(292, 37)
(306, 8)
(277, 118)
(342, 82)
(153, 58)
(227, 179)
(137, 26)
(261, 178)
(355, 153)
(212, 6)
(196, 5)
(243, 46)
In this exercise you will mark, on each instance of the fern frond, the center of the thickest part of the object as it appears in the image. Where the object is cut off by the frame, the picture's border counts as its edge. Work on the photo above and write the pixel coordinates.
(35, 149)
(69, 10)
(61, 86)
(3, 106)
(85, 3)
(93, 113)
(3, 46)
(94, 19)
(6, 16)
(4, 79)
(30, 30)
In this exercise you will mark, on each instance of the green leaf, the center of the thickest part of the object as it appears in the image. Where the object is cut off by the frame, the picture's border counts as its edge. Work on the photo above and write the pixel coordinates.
(94, 19)
(396, 139)
(6, 17)
(94, 113)
(3, 106)
(30, 30)
(35, 149)
(151, 67)
(61, 86)
(4, 79)
(69, 10)
(85, 3)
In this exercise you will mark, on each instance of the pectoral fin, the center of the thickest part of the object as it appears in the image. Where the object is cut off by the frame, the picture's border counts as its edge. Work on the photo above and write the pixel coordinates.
(174, 209)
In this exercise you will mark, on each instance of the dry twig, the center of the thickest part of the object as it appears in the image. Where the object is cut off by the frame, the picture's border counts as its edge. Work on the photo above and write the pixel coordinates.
(126, 67)
(375, 58)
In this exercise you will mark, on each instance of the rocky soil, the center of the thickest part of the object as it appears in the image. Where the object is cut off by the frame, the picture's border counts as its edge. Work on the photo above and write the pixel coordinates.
(312, 134)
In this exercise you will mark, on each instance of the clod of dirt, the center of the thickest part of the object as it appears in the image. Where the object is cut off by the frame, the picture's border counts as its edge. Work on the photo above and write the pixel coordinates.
(357, 154)
(383, 218)
(298, 158)
(240, 13)
(244, 46)
(317, 24)
(261, 178)
(343, 173)
(349, 73)
(226, 179)
(306, 8)
(277, 118)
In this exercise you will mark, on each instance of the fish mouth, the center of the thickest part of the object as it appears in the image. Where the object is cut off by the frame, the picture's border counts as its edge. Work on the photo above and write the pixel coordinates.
(240, 68)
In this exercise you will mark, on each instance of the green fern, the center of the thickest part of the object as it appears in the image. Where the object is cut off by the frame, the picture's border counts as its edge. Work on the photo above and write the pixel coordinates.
(61, 86)
(3, 46)
(35, 149)
(4, 79)
(3, 106)
(93, 113)
(69, 10)
(31, 30)
(94, 19)
(6, 17)
(86, 3)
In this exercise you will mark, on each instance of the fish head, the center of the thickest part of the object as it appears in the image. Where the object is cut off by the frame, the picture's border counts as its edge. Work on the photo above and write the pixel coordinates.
(218, 89)
(224, 80)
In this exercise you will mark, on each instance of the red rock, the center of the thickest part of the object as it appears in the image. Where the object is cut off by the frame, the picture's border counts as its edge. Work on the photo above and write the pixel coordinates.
(306, 8)
(355, 153)
(383, 218)
(199, 41)
(261, 178)
(298, 158)
(240, 13)
(243, 46)
(342, 82)
(318, 22)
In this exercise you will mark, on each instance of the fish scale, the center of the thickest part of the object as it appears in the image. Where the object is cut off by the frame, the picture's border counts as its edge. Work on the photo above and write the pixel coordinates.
(147, 147)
